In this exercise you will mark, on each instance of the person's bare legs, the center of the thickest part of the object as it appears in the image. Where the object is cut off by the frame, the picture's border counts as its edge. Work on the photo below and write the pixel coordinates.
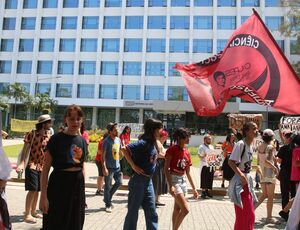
(181, 209)
(100, 181)
(263, 196)
(28, 206)
(34, 204)
(270, 194)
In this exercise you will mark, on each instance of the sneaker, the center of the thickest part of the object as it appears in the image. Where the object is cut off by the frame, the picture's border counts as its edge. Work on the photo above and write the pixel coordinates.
(159, 204)
(222, 185)
(257, 186)
(99, 193)
(108, 209)
(203, 195)
(284, 215)
(209, 195)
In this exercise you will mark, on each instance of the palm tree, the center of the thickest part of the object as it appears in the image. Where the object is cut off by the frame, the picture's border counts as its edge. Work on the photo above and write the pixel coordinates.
(17, 92)
(44, 102)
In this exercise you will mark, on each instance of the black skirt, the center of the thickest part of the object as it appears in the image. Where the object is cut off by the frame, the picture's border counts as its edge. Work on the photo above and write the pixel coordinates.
(66, 196)
(207, 177)
(159, 179)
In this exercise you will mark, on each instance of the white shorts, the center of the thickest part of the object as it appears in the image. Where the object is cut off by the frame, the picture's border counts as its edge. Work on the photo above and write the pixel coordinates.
(179, 183)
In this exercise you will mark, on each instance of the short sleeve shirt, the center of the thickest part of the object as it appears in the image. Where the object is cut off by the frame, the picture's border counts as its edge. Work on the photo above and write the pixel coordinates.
(67, 151)
(295, 174)
(112, 152)
(144, 155)
(180, 159)
(245, 164)
(205, 149)
(285, 154)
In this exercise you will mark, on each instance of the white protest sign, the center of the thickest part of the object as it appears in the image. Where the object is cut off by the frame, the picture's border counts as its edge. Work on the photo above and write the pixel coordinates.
(289, 124)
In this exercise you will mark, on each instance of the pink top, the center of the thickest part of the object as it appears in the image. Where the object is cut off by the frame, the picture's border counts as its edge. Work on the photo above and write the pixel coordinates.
(85, 136)
(126, 138)
(295, 174)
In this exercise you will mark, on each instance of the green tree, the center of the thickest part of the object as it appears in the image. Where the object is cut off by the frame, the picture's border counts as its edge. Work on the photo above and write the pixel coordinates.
(17, 92)
(44, 102)
(291, 28)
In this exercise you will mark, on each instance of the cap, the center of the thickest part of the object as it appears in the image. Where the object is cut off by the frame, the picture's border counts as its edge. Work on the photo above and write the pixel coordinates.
(43, 118)
(110, 126)
(268, 132)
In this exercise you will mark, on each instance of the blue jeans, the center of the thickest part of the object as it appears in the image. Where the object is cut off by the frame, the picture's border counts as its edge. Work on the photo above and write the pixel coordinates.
(109, 189)
(141, 193)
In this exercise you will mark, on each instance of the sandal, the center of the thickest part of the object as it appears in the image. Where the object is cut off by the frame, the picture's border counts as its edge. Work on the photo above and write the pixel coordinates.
(37, 215)
(30, 219)
(270, 221)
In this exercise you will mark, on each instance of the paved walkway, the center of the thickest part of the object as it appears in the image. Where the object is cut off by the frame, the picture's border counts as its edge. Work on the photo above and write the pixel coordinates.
(216, 213)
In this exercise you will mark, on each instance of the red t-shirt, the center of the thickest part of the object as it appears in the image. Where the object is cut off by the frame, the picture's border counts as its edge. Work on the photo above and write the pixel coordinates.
(126, 138)
(99, 155)
(180, 159)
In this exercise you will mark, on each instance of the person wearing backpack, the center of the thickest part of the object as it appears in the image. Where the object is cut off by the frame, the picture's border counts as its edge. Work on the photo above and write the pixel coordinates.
(241, 190)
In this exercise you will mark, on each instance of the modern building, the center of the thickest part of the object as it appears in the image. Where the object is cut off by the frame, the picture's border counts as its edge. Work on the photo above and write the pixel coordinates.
(115, 58)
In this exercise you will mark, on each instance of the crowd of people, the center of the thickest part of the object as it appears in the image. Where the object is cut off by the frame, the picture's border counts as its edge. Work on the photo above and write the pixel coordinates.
(155, 167)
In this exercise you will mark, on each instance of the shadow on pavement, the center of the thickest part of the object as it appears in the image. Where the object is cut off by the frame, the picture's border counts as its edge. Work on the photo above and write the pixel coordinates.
(16, 219)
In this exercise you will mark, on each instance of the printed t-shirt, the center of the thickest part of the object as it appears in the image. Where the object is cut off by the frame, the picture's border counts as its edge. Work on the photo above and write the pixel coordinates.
(180, 159)
(112, 147)
(67, 151)
(295, 174)
(205, 149)
(245, 164)
(144, 155)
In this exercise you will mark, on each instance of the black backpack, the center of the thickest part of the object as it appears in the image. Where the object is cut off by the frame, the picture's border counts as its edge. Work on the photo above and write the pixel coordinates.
(228, 173)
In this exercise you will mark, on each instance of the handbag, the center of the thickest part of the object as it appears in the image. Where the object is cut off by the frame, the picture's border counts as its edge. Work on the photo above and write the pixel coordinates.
(25, 155)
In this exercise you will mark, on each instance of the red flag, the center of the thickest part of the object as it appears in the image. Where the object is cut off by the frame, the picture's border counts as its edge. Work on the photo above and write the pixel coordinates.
(252, 67)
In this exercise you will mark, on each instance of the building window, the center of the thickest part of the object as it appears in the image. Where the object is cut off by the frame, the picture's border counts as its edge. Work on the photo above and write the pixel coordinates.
(203, 22)
(90, 22)
(67, 45)
(202, 46)
(46, 45)
(50, 4)
(105, 116)
(180, 3)
(70, 4)
(108, 91)
(249, 3)
(177, 93)
(85, 91)
(110, 45)
(48, 23)
(5, 66)
(88, 45)
(244, 18)
(64, 90)
(112, 22)
(157, 3)
(226, 22)
(109, 68)
(155, 69)
(30, 4)
(155, 45)
(131, 92)
(274, 22)
(69, 23)
(133, 45)
(135, 3)
(65, 67)
(24, 67)
(129, 116)
(7, 45)
(228, 3)
(87, 67)
(281, 44)
(221, 43)
(154, 93)
(11, 4)
(44, 67)
(180, 22)
(203, 2)
(179, 45)
(113, 3)
(173, 72)
(9, 23)
(91, 3)
(294, 47)
(272, 3)
(132, 68)
(28, 23)
(134, 22)
(43, 88)
(26, 45)
(156, 22)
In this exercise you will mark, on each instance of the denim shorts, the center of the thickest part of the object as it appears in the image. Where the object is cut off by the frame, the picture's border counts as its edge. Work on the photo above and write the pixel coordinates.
(179, 183)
